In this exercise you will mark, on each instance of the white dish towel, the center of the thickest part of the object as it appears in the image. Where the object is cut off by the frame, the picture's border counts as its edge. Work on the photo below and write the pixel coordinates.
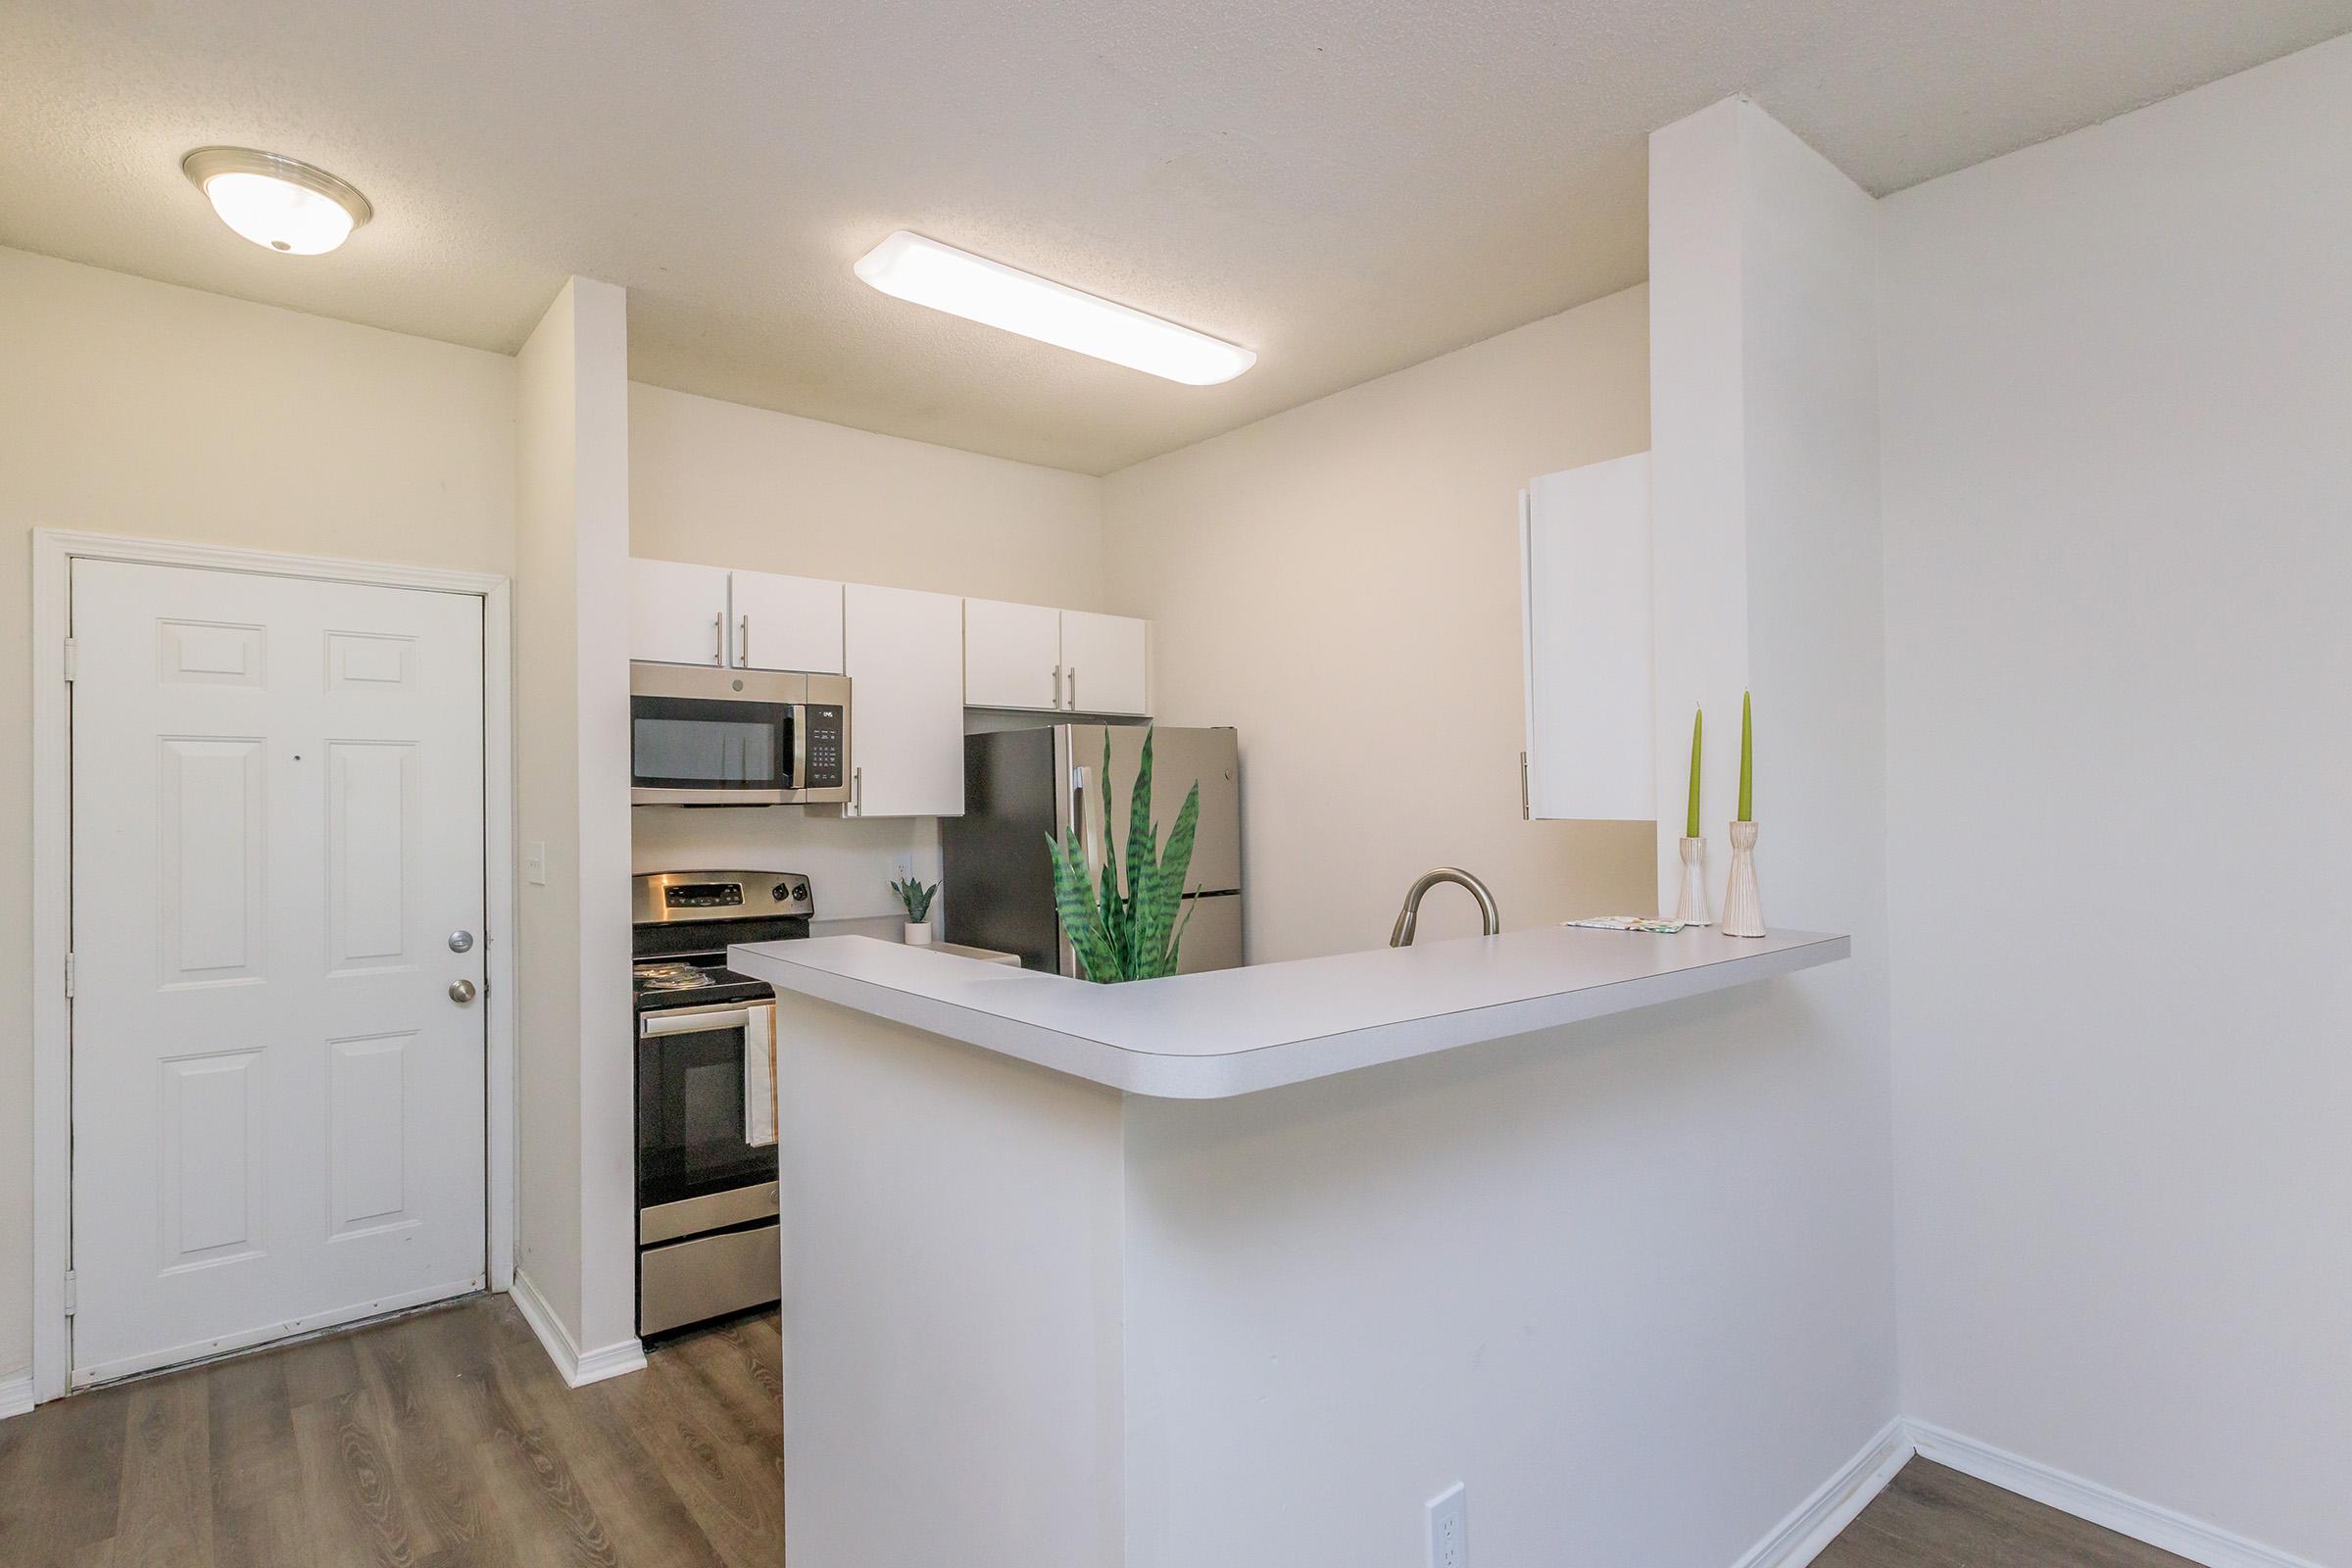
(759, 1077)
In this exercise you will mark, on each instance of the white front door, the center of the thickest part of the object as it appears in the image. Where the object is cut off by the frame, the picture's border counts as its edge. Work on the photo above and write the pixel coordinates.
(279, 1104)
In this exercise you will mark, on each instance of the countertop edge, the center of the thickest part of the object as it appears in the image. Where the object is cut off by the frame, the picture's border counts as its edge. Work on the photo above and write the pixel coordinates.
(1277, 1064)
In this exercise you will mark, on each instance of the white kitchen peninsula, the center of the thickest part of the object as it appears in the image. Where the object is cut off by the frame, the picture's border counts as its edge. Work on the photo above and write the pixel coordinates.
(1067, 1266)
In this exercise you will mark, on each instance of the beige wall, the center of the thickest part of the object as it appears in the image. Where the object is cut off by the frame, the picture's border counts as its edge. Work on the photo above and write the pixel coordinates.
(732, 486)
(2116, 398)
(1341, 581)
(134, 408)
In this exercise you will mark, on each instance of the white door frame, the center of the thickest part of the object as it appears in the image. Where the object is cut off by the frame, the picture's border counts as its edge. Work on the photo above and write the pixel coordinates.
(53, 551)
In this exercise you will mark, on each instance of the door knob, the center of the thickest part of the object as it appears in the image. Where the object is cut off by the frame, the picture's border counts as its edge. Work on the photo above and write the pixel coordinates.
(461, 942)
(461, 992)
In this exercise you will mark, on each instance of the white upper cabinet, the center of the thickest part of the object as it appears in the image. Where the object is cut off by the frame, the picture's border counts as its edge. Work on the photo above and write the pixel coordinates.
(1102, 660)
(1061, 660)
(781, 622)
(906, 667)
(1585, 549)
(1011, 655)
(677, 612)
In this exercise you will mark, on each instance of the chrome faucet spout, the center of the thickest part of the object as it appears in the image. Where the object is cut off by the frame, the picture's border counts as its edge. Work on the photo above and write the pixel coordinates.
(1409, 918)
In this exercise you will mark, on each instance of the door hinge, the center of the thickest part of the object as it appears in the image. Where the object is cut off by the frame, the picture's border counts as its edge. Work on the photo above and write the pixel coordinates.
(69, 975)
(73, 1294)
(70, 671)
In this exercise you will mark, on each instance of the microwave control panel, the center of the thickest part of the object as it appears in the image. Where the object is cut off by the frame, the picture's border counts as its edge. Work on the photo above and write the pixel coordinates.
(825, 746)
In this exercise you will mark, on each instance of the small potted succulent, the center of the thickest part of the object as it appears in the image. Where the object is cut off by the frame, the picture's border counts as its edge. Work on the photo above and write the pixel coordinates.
(918, 900)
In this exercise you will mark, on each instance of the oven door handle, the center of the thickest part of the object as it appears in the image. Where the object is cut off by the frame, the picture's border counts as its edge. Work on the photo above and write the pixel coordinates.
(699, 1021)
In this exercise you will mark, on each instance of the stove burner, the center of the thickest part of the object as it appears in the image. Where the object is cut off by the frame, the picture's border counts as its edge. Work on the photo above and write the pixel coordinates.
(676, 978)
(680, 976)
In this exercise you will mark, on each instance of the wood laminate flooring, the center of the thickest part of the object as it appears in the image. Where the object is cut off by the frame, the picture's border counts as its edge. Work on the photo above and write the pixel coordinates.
(446, 1439)
(435, 1441)
(1933, 1517)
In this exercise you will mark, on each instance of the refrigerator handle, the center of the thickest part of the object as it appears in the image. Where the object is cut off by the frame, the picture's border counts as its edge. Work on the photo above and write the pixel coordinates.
(1082, 816)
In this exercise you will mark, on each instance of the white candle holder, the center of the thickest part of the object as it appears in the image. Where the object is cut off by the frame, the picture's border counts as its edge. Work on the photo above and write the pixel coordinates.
(1691, 907)
(1742, 904)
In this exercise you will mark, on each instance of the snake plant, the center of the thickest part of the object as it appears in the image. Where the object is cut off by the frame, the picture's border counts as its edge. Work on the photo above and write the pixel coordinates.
(917, 897)
(1131, 932)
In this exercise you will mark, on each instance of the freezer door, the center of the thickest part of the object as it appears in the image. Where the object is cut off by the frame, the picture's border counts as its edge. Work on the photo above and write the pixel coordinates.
(1180, 759)
(1213, 937)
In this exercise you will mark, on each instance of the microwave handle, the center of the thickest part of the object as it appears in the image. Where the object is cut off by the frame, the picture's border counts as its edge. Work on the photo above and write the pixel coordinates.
(800, 748)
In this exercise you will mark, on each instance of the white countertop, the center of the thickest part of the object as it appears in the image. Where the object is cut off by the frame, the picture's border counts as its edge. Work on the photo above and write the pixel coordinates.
(1236, 1031)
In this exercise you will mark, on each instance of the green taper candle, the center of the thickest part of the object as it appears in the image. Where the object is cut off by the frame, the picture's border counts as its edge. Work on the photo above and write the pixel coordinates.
(1698, 719)
(1747, 760)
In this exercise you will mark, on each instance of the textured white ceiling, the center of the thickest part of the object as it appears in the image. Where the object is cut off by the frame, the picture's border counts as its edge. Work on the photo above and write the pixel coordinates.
(1346, 186)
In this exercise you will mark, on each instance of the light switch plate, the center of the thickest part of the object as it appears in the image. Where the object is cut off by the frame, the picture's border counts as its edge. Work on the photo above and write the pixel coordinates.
(534, 862)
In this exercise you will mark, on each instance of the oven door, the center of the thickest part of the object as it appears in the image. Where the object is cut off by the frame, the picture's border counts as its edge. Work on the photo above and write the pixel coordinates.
(693, 1160)
(715, 736)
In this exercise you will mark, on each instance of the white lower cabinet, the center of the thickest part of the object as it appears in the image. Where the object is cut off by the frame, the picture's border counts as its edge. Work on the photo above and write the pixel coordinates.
(905, 656)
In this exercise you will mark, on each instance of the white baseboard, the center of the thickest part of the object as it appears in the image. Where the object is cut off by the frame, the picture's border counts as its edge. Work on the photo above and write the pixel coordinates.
(1803, 1536)
(2160, 1527)
(576, 1365)
(16, 1395)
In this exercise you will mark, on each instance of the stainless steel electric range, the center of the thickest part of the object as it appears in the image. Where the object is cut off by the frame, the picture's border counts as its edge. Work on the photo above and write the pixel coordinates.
(707, 1237)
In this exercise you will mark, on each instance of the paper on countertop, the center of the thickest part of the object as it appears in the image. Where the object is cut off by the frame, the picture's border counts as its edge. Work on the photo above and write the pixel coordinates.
(1630, 922)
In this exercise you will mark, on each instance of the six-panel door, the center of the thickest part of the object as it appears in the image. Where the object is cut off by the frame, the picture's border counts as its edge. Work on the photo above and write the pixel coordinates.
(277, 1101)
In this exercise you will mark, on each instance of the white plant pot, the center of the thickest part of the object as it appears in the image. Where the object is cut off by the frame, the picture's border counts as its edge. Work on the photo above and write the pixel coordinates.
(918, 933)
(1691, 907)
(1742, 904)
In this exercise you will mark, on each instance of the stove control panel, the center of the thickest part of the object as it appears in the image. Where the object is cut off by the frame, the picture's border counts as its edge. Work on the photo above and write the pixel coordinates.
(719, 896)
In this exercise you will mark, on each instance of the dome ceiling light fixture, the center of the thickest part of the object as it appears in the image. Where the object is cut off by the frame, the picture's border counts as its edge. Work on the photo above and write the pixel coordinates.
(281, 204)
(924, 271)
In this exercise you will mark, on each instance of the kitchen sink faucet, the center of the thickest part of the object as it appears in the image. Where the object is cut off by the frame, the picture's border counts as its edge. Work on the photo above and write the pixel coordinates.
(1410, 915)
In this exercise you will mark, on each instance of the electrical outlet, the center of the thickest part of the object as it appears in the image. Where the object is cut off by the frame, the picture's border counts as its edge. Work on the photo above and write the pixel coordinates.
(1450, 1528)
(905, 865)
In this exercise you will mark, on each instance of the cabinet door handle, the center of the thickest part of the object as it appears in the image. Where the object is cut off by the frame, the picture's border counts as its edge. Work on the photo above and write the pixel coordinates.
(1056, 685)
(1073, 688)
(718, 639)
(743, 643)
(856, 792)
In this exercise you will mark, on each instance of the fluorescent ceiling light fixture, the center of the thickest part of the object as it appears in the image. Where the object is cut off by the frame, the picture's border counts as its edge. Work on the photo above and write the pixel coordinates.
(280, 203)
(924, 271)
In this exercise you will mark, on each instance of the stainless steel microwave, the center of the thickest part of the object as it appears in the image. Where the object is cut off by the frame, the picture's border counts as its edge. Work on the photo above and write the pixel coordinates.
(736, 737)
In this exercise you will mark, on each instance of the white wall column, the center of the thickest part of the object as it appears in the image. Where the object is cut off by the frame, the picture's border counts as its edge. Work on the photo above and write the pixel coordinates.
(1767, 538)
(576, 1271)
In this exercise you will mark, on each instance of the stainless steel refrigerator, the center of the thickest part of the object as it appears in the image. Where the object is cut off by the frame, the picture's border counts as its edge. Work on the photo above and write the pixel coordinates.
(1021, 785)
